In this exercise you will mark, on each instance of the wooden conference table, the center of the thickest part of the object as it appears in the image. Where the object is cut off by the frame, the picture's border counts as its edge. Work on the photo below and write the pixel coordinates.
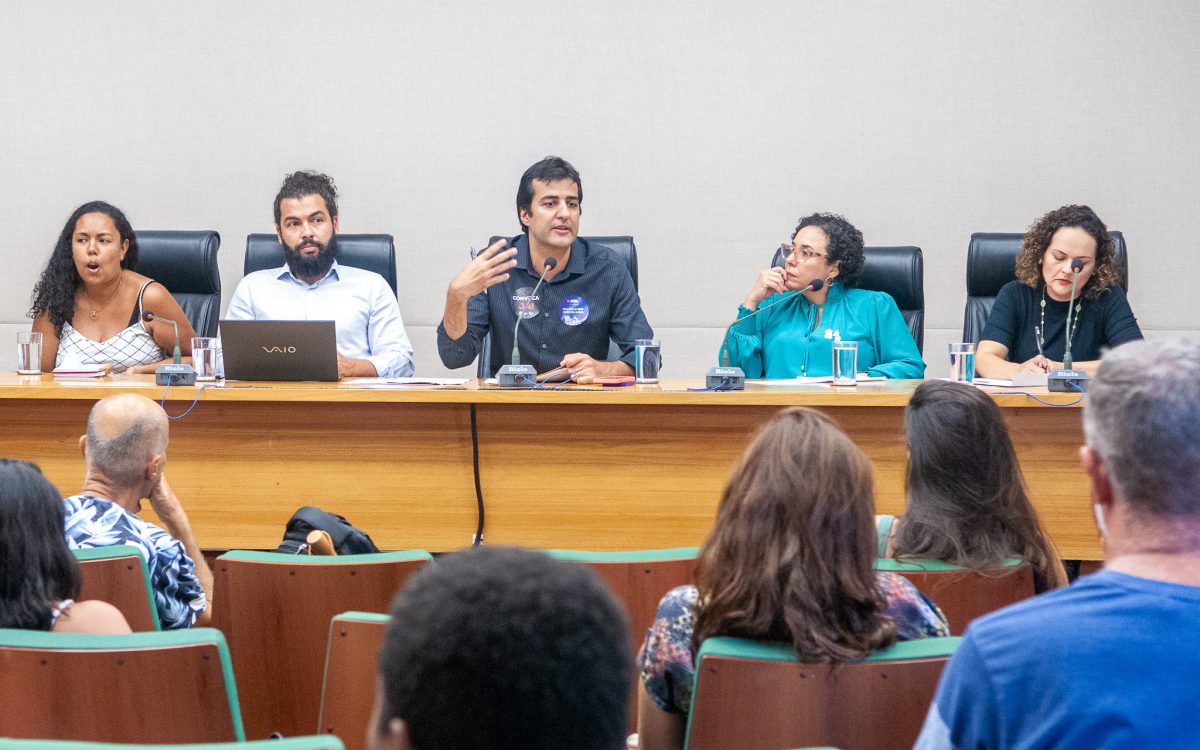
(577, 467)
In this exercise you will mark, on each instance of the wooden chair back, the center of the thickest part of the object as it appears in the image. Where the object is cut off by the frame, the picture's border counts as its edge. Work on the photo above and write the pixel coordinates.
(638, 580)
(757, 695)
(159, 687)
(118, 575)
(288, 743)
(351, 663)
(275, 610)
(963, 593)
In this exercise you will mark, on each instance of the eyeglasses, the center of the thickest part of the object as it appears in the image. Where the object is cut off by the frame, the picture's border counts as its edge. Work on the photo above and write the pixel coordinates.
(786, 249)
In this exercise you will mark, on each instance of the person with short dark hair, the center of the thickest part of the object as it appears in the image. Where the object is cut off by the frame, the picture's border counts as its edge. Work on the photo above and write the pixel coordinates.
(790, 559)
(39, 577)
(1026, 330)
(795, 336)
(312, 285)
(498, 647)
(1110, 661)
(966, 496)
(587, 300)
(89, 302)
(125, 449)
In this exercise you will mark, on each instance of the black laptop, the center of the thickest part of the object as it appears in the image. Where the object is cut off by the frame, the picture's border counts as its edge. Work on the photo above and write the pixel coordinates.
(279, 349)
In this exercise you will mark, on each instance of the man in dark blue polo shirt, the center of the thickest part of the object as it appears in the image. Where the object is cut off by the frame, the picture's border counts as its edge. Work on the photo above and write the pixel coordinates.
(588, 297)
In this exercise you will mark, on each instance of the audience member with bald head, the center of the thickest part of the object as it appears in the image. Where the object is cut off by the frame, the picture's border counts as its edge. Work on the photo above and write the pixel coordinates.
(125, 450)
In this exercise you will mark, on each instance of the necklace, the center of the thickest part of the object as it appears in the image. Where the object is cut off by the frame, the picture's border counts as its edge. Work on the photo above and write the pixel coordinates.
(1041, 331)
(96, 310)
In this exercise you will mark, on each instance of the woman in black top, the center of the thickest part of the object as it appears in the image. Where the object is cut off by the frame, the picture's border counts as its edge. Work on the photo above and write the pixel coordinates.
(1027, 328)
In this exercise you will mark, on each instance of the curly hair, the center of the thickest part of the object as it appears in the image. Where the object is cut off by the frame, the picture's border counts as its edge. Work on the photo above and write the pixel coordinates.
(299, 184)
(54, 294)
(499, 647)
(845, 244)
(790, 557)
(1037, 241)
(38, 569)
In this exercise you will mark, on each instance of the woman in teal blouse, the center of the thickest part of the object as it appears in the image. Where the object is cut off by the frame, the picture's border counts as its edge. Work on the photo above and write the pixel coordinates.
(795, 337)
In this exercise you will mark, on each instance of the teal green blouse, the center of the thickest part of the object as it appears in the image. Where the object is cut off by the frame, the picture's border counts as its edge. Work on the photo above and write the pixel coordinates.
(785, 341)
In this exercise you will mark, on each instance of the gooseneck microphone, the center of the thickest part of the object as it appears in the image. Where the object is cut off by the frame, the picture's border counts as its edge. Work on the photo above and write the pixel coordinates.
(724, 377)
(515, 374)
(1076, 267)
(1068, 379)
(175, 373)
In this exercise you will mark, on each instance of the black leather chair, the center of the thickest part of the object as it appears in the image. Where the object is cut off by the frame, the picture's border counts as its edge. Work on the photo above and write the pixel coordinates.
(992, 263)
(185, 262)
(622, 245)
(371, 252)
(899, 271)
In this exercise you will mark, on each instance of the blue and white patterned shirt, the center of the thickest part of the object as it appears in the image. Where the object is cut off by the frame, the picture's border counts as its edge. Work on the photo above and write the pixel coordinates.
(360, 303)
(95, 522)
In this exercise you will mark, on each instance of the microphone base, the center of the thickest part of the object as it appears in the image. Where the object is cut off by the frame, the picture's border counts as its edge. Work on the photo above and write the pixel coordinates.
(175, 375)
(725, 379)
(517, 376)
(1067, 381)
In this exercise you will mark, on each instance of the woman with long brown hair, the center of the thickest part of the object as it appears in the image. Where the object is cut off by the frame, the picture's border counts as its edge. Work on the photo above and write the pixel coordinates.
(790, 558)
(967, 503)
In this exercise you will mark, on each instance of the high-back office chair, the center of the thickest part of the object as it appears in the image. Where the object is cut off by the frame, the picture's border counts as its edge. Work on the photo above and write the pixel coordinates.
(899, 271)
(275, 610)
(185, 263)
(370, 252)
(964, 593)
(638, 580)
(750, 694)
(118, 575)
(166, 687)
(992, 263)
(352, 656)
(622, 245)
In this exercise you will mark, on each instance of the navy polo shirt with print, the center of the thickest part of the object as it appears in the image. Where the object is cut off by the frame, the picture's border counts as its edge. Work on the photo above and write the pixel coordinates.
(585, 305)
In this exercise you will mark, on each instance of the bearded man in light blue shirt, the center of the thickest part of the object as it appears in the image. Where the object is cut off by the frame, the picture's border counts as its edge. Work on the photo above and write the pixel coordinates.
(371, 339)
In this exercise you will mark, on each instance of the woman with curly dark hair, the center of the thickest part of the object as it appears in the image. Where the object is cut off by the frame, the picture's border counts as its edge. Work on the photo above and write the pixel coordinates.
(39, 577)
(89, 302)
(1027, 328)
(790, 559)
(795, 336)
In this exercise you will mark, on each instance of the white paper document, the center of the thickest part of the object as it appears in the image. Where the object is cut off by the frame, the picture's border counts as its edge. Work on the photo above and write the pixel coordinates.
(1022, 380)
(861, 377)
(402, 382)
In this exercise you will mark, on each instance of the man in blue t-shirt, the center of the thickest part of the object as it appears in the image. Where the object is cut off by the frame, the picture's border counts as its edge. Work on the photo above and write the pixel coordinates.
(1112, 660)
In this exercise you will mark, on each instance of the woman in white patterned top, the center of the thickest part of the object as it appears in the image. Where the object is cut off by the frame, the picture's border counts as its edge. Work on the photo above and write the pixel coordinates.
(88, 305)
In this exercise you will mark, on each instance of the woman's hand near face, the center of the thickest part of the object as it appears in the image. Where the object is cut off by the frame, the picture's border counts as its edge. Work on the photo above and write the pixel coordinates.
(771, 281)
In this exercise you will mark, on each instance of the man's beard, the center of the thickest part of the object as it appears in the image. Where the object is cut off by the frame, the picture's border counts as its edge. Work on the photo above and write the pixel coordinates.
(312, 266)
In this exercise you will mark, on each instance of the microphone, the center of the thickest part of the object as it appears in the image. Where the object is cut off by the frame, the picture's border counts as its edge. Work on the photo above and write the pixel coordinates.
(517, 375)
(175, 373)
(1068, 379)
(723, 377)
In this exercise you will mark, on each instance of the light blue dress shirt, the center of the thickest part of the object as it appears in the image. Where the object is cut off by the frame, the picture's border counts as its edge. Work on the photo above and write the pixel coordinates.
(360, 303)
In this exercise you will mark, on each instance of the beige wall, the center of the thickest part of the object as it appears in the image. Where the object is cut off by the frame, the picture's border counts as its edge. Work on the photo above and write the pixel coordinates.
(704, 133)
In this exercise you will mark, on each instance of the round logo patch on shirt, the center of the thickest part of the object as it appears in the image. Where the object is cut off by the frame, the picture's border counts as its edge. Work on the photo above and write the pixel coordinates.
(525, 303)
(573, 310)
